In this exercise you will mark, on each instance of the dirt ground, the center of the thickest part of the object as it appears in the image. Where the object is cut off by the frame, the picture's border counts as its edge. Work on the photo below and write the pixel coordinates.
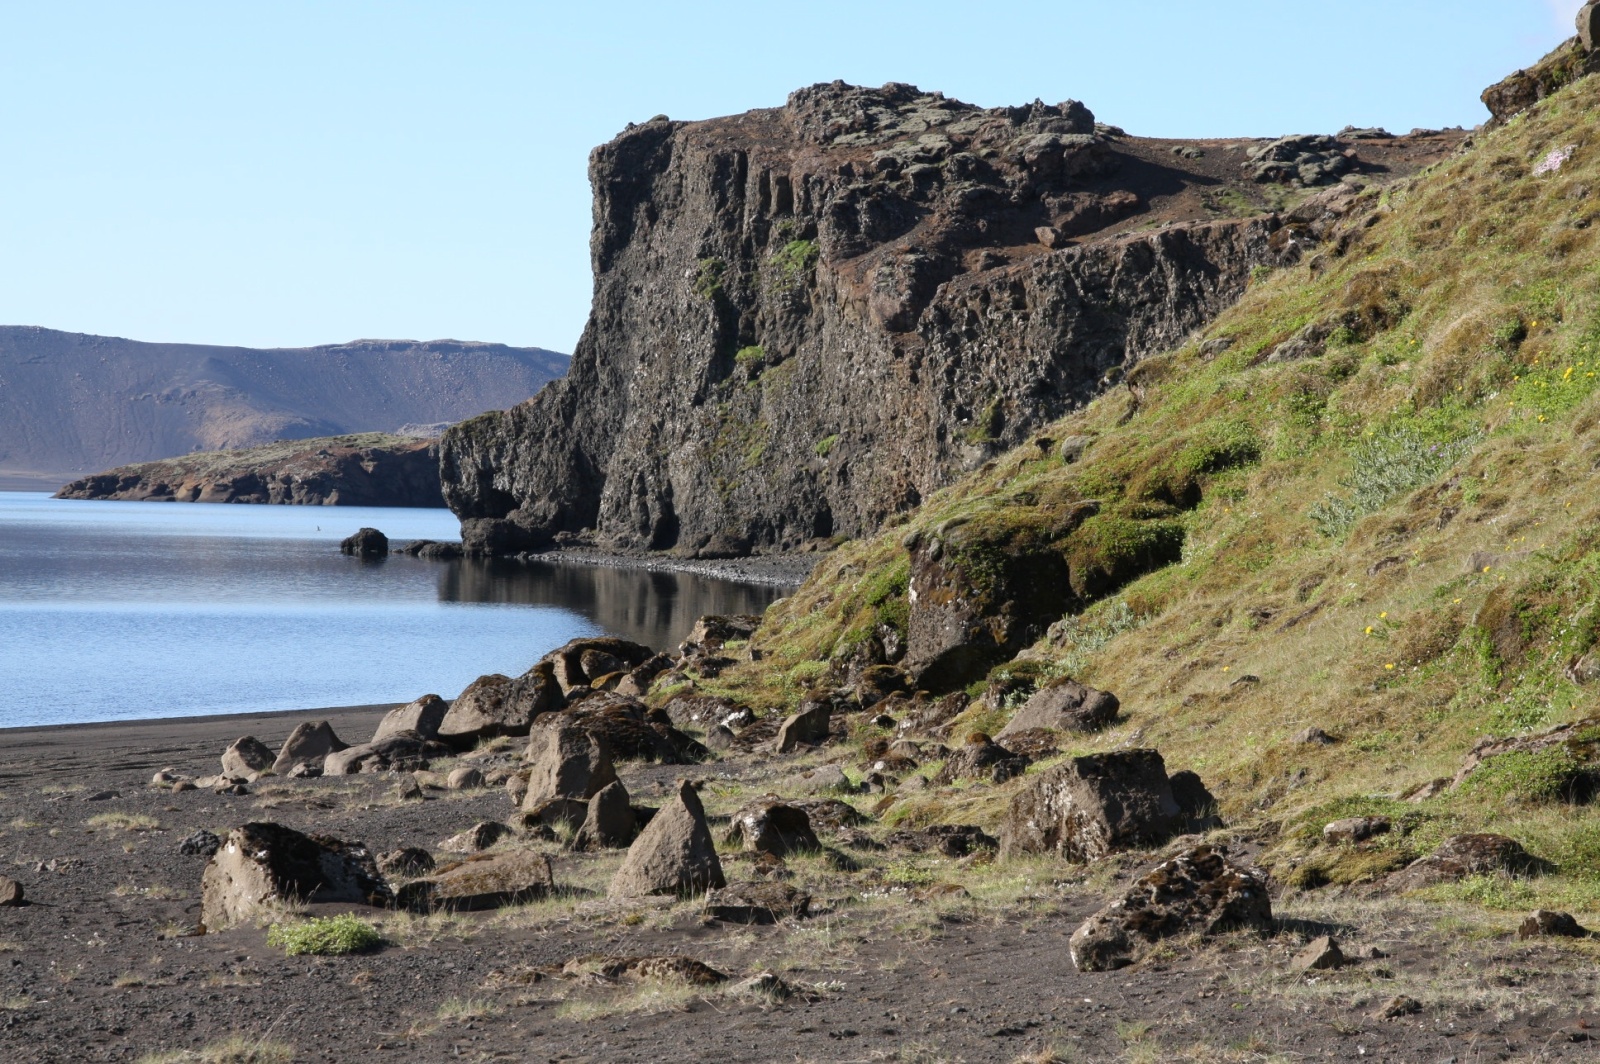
(897, 965)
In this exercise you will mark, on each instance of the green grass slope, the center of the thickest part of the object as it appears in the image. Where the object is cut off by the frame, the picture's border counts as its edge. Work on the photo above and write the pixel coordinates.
(1395, 539)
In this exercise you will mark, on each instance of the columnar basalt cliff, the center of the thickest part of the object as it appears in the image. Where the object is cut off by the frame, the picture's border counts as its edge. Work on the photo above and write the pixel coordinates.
(805, 319)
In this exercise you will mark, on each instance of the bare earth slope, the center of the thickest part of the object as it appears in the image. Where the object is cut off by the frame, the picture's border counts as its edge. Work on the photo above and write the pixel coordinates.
(72, 404)
(808, 318)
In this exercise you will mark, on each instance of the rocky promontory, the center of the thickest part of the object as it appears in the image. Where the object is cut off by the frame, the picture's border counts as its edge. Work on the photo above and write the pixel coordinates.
(808, 318)
(369, 469)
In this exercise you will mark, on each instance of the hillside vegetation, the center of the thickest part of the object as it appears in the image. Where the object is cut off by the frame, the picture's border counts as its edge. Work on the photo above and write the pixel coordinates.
(1362, 500)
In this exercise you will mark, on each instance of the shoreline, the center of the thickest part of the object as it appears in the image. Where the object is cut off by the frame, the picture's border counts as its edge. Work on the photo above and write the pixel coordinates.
(94, 748)
(773, 570)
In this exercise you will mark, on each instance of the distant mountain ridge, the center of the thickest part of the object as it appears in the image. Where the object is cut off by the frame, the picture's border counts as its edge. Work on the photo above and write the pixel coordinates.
(72, 403)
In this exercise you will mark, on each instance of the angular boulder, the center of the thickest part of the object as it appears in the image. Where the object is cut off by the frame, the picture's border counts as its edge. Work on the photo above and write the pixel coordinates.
(568, 762)
(674, 854)
(485, 881)
(309, 744)
(406, 862)
(247, 754)
(1065, 705)
(771, 826)
(808, 725)
(10, 892)
(422, 717)
(608, 821)
(1546, 923)
(261, 866)
(496, 705)
(1088, 807)
(1198, 892)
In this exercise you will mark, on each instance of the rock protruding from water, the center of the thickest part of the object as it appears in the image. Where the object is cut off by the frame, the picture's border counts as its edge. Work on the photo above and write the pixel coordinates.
(366, 543)
(674, 854)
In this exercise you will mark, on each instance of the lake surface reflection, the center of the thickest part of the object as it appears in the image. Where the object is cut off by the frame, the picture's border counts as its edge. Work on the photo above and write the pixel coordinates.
(119, 610)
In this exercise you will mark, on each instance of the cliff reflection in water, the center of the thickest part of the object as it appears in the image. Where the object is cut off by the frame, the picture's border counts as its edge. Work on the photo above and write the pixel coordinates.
(653, 608)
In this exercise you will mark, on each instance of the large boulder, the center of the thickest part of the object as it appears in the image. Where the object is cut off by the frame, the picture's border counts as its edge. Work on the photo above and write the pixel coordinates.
(366, 543)
(1088, 807)
(808, 725)
(608, 654)
(262, 867)
(772, 826)
(1198, 892)
(634, 732)
(309, 744)
(674, 854)
(1589, 25)
(608, 821)
(422, 716)
(498, 705)
(401, 751)
(247, 754)
(1065, 705)
(568, 762)
(484, 881)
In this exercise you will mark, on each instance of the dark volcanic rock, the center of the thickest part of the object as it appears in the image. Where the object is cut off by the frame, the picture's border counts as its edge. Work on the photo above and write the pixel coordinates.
(247, 754)
(772, 826)
(498, 705)
(402, 751)
(365, 470)
(366, 543)
(483, 881)
(1198, 892)
(1088, 807)
(260, 865)
(810, 317)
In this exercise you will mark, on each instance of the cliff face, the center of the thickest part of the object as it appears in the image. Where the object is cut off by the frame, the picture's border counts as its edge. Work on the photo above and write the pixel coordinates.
(371, 469)
(806, 319)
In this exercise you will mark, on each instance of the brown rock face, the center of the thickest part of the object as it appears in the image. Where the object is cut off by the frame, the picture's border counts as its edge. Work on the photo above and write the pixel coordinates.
(568, 762)
(1464, 855)
(808, 318)
(608, 821)
(674, 854)
(259, 865)
(1200, 891)
(1570, 60)
(1091, 806)
(403, 751)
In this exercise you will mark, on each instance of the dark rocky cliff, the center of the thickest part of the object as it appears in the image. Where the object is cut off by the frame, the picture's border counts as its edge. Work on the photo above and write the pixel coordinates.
(370, 469)
(806, 319)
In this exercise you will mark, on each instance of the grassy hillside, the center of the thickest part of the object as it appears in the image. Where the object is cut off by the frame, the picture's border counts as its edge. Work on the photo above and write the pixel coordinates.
(1394, 537)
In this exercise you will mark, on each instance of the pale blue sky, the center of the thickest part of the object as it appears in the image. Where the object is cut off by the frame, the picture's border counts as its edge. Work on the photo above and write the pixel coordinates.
(291, 173)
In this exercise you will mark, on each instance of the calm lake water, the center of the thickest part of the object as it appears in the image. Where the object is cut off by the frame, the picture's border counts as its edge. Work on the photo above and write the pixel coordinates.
(130, 610)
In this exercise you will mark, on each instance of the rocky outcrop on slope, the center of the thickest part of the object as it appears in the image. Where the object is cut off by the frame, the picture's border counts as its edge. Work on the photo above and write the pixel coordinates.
(372, 469)
(807, 318)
